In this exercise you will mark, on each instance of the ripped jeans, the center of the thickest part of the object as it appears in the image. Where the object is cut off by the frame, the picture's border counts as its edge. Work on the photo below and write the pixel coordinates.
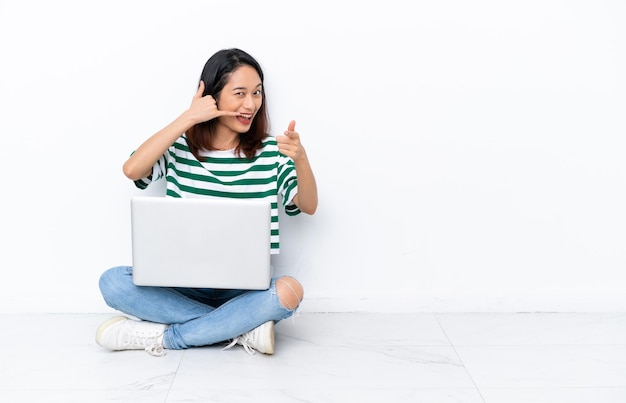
(196, 316)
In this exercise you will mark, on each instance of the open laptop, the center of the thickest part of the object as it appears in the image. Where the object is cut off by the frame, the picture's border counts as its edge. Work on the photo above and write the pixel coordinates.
(201, 242)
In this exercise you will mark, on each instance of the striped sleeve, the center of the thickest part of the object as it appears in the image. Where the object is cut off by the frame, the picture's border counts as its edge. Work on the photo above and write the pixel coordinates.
(158, 171)
(288, 184)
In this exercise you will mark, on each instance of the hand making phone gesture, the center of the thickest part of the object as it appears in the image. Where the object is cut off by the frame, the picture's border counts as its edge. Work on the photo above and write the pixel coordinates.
(204, 108)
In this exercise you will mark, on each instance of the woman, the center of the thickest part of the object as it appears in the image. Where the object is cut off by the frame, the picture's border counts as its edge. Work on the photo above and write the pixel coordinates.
(219, 147)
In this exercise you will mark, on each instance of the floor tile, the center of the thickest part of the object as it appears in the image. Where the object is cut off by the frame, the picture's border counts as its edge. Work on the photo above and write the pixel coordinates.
(69, 395)
(369, 329)
(59, 352)
(492, 329)
(301, 365)
(555, 395)
(330, 395)
(555, 366)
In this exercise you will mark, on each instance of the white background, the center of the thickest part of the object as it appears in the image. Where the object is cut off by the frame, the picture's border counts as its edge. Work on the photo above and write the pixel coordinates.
(469, 154)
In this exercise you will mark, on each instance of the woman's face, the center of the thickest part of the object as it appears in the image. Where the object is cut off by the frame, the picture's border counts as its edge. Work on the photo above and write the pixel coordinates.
(243, 93)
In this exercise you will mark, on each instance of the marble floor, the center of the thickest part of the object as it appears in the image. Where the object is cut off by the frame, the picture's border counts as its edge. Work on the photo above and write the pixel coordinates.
(332, 357)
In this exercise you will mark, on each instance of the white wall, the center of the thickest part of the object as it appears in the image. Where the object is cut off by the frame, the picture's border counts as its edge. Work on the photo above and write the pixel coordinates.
(469, 154)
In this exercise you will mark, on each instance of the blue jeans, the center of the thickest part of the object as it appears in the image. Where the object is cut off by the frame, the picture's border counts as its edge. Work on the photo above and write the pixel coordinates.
(196, 316)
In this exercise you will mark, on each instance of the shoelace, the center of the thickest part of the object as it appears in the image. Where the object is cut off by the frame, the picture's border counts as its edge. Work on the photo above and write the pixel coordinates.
(156, 350)
(153, 347)
(244, 342)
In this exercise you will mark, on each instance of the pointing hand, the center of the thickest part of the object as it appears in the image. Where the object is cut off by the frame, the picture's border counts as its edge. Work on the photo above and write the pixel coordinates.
(289, 143)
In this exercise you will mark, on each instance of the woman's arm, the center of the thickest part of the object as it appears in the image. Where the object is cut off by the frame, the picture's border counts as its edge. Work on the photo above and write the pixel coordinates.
(290, 145)
(139, 164)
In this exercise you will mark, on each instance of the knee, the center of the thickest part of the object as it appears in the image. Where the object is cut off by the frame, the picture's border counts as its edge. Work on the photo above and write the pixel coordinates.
(104, 281)
(290, 292)
(111, 282)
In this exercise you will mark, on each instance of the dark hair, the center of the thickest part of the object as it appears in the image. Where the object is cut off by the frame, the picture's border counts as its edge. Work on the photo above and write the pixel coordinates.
(215, 74)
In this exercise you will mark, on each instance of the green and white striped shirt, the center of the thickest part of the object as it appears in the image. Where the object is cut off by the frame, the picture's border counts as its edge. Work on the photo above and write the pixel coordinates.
(223, 174)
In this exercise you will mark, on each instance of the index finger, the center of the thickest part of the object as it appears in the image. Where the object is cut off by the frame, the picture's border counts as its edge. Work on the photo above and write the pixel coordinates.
(227, 113)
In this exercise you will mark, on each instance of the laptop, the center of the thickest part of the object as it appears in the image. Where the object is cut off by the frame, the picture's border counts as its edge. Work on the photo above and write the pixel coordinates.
(201, 242)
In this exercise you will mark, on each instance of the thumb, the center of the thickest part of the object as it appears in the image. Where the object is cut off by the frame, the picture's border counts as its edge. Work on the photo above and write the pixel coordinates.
(292, 126)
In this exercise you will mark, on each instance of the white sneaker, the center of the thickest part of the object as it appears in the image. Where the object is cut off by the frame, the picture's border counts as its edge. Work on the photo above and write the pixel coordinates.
(260, 338)
(122, 333)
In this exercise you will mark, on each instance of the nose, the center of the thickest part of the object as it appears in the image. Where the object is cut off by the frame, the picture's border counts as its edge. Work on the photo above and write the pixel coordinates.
(248, 102)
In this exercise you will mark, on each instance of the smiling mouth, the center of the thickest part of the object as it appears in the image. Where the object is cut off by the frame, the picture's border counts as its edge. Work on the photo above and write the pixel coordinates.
(246, 115)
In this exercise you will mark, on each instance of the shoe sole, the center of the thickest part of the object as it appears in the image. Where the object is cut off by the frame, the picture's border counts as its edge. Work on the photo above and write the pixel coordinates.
(104, 326)
(270, 349)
